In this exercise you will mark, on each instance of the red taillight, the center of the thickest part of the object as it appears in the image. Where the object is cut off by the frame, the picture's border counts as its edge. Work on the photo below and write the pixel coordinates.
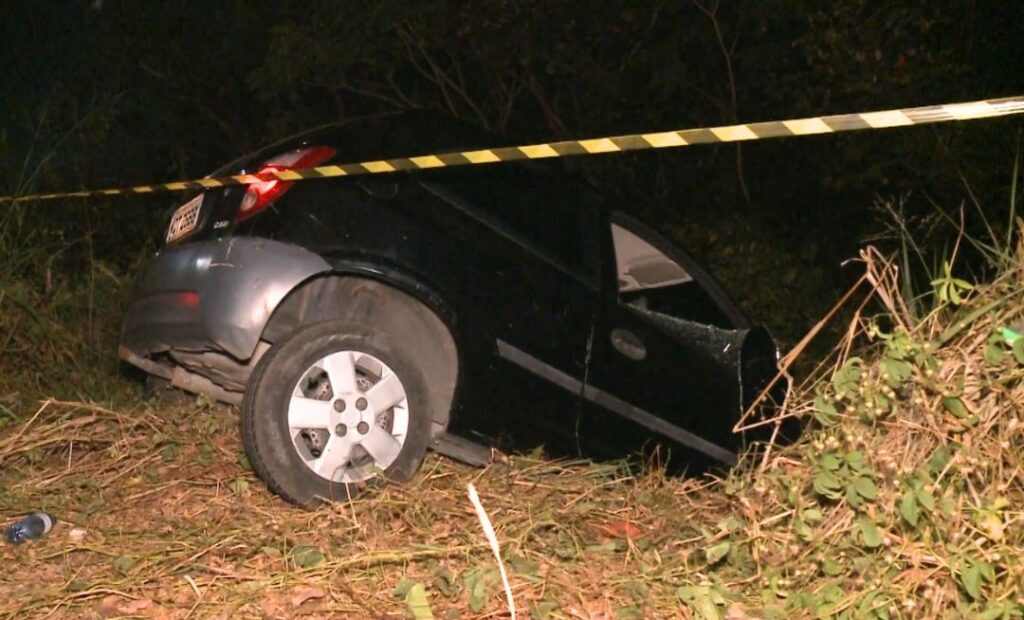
(259, 196)
(189, 299)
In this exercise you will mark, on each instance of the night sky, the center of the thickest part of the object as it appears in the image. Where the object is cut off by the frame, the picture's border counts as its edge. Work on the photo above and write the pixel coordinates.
(111, 93)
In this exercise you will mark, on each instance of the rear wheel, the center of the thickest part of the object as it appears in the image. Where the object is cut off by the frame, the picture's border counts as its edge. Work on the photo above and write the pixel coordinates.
(333, 408)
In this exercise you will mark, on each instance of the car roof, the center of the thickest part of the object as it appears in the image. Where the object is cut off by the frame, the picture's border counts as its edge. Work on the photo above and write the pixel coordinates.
(369, 138)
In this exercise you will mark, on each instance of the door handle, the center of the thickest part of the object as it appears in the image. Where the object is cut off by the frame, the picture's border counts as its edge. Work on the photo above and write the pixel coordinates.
(628, 344)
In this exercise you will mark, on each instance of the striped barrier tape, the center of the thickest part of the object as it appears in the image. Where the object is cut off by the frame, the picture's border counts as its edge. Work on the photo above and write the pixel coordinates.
(611, 144)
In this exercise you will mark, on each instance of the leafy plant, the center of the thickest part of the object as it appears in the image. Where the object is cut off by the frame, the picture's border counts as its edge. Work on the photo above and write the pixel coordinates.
(949, 289)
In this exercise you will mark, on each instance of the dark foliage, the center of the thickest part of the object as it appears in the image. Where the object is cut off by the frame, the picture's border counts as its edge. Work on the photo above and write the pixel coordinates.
(113, 93)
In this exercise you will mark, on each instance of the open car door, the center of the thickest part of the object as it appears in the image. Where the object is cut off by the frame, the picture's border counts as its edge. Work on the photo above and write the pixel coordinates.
(674, 362)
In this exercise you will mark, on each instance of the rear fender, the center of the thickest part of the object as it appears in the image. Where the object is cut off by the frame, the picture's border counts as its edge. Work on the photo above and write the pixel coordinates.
(234, 285)
(423, 329)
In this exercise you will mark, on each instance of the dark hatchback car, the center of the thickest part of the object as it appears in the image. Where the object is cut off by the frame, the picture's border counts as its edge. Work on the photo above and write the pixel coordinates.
(360, 321)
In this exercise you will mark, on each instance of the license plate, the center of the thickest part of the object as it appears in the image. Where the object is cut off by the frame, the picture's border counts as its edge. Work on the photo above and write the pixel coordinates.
(185, 219)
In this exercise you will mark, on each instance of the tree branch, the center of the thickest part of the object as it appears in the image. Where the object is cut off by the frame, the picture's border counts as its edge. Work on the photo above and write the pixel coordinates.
(442, 78)
(712, 14)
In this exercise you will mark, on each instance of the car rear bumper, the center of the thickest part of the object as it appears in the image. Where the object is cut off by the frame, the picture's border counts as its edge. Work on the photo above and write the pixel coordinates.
(212, 296)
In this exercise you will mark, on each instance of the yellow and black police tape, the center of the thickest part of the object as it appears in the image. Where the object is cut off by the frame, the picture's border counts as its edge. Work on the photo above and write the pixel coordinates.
(610, 144)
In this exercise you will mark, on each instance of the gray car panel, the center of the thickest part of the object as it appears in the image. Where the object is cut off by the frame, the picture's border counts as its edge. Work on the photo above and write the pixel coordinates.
(216, 294)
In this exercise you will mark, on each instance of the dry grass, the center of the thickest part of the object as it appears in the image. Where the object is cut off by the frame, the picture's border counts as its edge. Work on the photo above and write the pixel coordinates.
(175, 526)
(903, 500)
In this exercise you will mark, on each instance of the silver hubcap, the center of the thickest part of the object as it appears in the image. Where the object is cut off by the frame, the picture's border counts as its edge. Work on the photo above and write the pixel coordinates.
(348, 417)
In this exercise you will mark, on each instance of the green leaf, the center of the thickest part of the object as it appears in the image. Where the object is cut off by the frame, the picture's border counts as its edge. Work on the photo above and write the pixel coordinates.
(871, 608)
(523, 567)
(631, 612)
(478, 583)
(77, 585)
(1018, 350)
(994, 355)
(830, 461)
(1009, 335)
(812, 515)
(444, 581)
(169, 452)
(971, 580)
(825, 413)
(478, 596)
(953, 330)
(305, 556)
(866, 487)
(847, 378)
(1001, 611)
(855, 460)
(987, 571)
(638, 591)
(831, 568)
(925, 498)
(947, 506)
(542, 610)
(853, 498)
(124, 564)
(94, 505)
(205, 454)
(700, 599)
(715, 553)
(827, 484)
(832, 593)
(803, 530)
(955, 406)
(403, 587)
(939, 459)
(418, 604)
(908, 508)
(896, 371)
(869, 534)
(730, 524)
(238, 485)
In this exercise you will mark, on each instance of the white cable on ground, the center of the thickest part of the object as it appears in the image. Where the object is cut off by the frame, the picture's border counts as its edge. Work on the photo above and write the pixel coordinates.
(485, 522)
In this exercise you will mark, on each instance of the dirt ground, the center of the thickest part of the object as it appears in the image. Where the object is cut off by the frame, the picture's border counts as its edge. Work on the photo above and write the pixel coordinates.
(160, 517)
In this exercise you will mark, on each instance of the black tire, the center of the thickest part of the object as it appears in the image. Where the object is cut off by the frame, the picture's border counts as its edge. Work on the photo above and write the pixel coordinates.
(264, 415)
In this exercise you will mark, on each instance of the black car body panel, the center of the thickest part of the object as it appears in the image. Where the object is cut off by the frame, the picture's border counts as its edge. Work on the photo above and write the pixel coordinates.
(518, 261)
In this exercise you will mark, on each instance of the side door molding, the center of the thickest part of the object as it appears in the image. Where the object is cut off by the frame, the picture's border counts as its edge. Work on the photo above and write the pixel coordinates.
(614, 404)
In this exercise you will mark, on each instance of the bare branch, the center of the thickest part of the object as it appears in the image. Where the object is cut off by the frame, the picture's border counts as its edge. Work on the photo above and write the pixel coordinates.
(641, 40)
(712, 15)
(409, 101)
(550, 113)
(371, 92)
(442, 78)
(511, 96)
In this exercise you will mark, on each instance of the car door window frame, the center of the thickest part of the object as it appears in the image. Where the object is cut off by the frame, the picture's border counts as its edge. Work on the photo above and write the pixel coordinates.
(698, 273)
(592, 241)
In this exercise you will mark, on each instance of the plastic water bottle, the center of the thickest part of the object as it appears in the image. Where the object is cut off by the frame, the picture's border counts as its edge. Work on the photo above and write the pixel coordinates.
(35, 525)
